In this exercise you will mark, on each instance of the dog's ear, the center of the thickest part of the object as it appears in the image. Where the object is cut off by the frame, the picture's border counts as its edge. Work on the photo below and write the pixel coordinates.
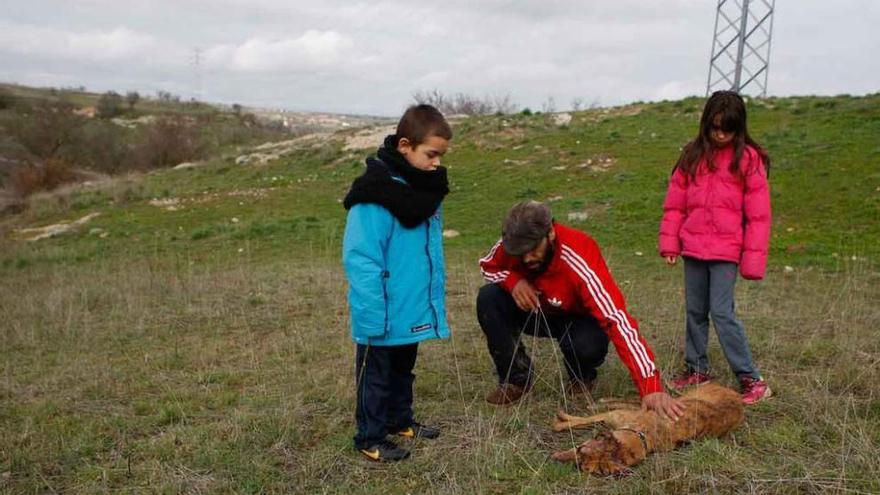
(630, 450)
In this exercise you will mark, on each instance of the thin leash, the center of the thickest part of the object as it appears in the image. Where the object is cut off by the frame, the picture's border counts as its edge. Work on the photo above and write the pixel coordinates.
(516, 351)
(556, 353)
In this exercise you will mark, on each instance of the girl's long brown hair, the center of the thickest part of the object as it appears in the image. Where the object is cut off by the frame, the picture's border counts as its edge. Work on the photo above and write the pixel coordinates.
(732, 109)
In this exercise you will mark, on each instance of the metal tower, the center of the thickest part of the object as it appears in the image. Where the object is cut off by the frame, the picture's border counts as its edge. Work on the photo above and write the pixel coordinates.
(741, 48)
(196, 63)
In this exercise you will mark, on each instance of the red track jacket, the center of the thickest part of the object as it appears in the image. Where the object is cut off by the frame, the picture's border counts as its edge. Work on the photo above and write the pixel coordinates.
(578, 282)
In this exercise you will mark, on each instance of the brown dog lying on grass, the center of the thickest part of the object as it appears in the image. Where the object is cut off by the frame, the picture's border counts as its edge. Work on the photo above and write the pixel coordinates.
(711, 411)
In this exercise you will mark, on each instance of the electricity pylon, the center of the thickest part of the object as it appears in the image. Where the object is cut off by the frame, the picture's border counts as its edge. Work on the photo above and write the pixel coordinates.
(741, 47)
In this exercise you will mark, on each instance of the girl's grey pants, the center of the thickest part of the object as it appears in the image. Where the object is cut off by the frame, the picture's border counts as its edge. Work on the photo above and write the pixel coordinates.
(709, 288)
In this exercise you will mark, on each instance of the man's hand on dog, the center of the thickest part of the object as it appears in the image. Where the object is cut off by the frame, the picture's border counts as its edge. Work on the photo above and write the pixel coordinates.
(664, 404)
(525, 295)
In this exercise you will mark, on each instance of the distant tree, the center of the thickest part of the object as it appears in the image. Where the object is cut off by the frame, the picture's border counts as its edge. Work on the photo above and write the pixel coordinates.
(169, 141)
(577, 103)
(249, 120)
(47, 128)
(167, 97)
(549, 105)
(109, 104)
(102, 146)
(132, 97)
(5, 99)
(236, 109)
(462, 103)
(32, 177)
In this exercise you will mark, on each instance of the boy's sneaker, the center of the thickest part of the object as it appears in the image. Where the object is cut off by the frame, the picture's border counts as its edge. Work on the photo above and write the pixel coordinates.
(385, 451)
(418, 430)
(754, 390)
(689, 378)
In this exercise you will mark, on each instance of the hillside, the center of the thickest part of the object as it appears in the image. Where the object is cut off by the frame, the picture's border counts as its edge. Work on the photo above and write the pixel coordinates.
(605, 171)
(167, 103)
(192, 336)
(50, 136)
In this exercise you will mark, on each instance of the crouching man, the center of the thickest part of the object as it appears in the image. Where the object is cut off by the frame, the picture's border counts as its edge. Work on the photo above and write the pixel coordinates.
(549, 280)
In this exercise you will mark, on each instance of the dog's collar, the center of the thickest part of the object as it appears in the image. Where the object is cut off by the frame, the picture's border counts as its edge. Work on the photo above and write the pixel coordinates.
(641, 435)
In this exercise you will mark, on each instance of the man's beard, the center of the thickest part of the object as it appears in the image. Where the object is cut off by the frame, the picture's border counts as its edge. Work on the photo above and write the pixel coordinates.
(538, 268)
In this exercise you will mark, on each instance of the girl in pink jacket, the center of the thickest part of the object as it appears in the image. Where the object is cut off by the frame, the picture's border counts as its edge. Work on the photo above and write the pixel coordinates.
(717, 217)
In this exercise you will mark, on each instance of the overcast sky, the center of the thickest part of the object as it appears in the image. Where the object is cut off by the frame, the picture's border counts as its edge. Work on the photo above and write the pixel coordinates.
(370, 57)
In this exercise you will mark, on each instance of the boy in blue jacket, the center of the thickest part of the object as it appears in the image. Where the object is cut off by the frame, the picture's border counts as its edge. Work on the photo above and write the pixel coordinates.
(393, 257)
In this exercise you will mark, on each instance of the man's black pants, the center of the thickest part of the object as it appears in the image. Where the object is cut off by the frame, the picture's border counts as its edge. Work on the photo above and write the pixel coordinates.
(583, 343)
(384, 380)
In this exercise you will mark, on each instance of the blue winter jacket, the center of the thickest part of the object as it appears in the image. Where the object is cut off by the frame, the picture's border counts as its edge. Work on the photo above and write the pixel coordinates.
(396, 277)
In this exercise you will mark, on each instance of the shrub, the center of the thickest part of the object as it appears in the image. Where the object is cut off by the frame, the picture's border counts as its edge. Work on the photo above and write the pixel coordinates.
(167, 97)
(461, 103)
(47, 128)
(169, 141)
(5, 99)
(132, 97)
(102, 146)
(30, 178)
(109, 105)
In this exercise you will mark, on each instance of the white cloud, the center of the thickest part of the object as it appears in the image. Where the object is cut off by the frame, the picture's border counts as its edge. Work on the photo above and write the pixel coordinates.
(112, 45)
(313, 49)
(344, 55)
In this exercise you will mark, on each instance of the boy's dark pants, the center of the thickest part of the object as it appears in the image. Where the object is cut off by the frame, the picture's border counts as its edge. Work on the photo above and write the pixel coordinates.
(583, 343)
(384, 381)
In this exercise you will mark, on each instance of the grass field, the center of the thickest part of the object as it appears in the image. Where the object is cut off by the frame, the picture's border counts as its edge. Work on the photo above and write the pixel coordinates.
(205, 348)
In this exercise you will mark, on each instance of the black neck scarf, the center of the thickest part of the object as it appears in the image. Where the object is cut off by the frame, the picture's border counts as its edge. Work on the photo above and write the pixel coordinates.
(411, 203)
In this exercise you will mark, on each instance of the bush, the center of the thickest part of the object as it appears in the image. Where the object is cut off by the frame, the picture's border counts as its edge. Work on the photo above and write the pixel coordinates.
(167, 97)
(461, 103)
(102, 146)
(30, 178)
(169, 141)
(47, 128)
(109, 105)
(132, 97)
(5, 99)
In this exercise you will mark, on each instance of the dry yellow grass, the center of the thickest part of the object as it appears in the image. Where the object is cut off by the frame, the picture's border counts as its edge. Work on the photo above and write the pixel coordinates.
(176, 376)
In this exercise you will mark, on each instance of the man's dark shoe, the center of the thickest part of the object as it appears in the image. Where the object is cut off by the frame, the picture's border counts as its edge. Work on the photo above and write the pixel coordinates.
(385, 451)
(578, 389)
(418, 430)
(506, 393)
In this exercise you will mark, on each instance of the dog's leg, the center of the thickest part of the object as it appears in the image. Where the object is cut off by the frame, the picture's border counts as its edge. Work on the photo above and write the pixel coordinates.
(612, 403)
(569, 455)
(567, 421)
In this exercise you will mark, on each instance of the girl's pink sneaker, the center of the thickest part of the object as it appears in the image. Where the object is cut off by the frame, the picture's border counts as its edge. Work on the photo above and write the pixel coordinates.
(689, 378)
(754, 390)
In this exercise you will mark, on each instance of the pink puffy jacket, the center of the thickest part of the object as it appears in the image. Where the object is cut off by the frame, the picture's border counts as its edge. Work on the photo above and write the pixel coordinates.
(720, 216)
